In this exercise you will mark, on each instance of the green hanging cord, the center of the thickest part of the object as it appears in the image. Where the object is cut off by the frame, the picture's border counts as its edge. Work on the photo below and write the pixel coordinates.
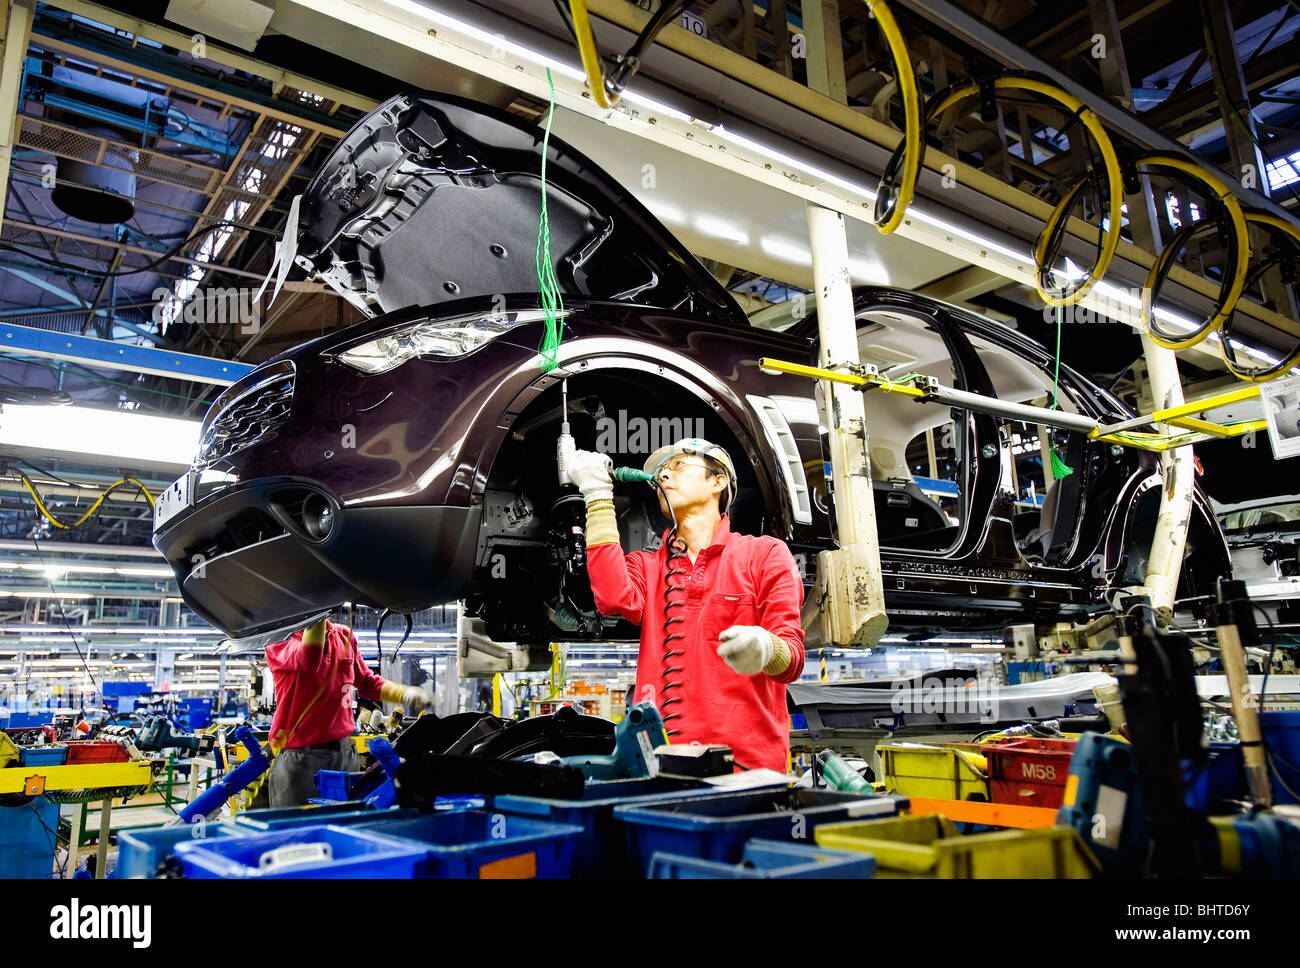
(1059, 468)
(547, 283)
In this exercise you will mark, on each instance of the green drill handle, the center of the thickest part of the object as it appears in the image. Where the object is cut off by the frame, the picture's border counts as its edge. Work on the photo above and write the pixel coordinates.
(631, 474)
(839, 775)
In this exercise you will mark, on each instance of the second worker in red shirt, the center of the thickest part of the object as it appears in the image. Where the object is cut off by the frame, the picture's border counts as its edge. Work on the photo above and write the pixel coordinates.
(719, 611)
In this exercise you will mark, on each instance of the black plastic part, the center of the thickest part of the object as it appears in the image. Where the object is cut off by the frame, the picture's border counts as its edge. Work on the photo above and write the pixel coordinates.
(421, 779)
(431, 197)
(1164, 722)
(713, 761)
(377, 556)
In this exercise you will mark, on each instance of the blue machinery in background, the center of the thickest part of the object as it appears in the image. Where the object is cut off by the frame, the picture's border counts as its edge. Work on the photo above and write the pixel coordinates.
(233, 781)
(29, 341)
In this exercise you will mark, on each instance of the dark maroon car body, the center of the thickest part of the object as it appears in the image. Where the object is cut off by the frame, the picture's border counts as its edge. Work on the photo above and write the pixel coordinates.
(435, 481)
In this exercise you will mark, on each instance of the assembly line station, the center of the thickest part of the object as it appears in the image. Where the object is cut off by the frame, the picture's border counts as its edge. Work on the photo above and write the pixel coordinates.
(978, 321)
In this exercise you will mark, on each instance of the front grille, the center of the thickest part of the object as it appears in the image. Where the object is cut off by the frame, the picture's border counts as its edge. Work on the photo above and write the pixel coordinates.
(245, 419)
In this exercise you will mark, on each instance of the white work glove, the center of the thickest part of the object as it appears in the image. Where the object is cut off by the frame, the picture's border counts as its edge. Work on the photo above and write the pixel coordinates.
(590, 472)
(746, 648)
(416, 700)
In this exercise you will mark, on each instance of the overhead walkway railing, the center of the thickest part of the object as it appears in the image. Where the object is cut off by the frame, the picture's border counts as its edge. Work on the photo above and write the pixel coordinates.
(925, 389)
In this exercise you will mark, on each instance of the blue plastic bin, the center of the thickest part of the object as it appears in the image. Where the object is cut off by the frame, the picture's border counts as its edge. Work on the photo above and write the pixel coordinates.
(1282, 736)
(1222, 778)
(27, 841)
(336, 785)
(140, 852)
(52, 755)
(768, 859)
(355, 852)
(340, 814)
(602, 849)
(717, 827)
(486, 844)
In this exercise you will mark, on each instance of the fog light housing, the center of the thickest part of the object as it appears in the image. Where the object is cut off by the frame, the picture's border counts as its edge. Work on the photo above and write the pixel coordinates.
(318, 517)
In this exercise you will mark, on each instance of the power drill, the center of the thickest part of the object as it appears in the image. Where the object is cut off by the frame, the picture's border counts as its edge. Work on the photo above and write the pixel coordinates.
(565, 448)
(635, 737)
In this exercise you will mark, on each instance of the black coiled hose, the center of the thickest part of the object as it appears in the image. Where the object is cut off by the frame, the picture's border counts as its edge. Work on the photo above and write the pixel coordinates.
(676, 551)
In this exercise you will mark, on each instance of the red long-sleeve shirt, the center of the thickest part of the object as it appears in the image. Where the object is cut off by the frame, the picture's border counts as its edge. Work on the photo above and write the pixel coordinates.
(325, 674)
(738, 579)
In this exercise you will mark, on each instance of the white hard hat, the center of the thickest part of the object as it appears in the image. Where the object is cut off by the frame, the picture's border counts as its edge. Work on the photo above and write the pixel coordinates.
(696, 445)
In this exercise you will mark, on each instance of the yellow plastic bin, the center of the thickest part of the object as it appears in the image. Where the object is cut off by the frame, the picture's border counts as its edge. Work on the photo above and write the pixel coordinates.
(930, 846)
(936, 772)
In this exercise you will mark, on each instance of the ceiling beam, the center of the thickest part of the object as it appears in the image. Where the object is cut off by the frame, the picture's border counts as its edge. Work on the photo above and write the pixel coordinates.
(17, 29)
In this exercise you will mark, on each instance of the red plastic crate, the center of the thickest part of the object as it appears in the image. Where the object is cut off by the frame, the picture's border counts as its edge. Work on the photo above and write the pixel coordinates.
(95, 751)
(24, 735)
(1029, 772)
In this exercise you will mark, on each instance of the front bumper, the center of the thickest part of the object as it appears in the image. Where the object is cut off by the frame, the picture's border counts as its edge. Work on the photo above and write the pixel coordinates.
(247, 563)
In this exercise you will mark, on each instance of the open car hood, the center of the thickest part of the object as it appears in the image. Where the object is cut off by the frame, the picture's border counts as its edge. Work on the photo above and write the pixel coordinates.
(431, 198)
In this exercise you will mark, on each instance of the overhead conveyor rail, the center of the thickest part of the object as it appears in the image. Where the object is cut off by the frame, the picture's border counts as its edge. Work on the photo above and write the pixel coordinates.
(925, 389)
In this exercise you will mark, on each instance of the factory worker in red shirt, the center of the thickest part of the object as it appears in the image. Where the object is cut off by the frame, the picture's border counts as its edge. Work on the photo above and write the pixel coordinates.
(719, 647)
(314, 673)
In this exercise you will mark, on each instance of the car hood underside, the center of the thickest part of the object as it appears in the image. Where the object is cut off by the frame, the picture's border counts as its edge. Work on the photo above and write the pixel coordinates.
(430, 198)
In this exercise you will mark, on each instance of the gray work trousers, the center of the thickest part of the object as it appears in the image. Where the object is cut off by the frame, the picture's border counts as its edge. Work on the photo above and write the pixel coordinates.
(293, 774)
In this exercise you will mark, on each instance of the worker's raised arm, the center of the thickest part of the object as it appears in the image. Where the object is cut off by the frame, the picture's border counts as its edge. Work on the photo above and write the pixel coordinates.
(617, 580)
(314, 635)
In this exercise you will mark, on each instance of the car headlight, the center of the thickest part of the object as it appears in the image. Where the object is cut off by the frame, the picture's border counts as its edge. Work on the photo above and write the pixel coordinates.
(454, 336)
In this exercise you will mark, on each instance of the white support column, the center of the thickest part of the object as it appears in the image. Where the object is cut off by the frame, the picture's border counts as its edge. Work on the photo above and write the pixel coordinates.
(850, 591)
(1176, 469)
(17, 29)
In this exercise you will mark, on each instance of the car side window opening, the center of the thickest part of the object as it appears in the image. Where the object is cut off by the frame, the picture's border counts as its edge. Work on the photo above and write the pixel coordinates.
(915, 510)
(1048, 508)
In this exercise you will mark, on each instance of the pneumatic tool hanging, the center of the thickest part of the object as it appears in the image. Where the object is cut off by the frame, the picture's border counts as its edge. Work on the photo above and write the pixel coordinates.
(565, 449)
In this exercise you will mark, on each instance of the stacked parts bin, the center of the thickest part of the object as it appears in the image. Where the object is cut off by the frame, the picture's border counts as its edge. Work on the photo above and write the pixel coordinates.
(345, 813)
(55, 755)
(935, 772)
(480, 844)
(142, 852)
(930, 846)
(95, 751)
(716, 827)
(601, 851)
(317, 852)
(1029, 772)
(768, 859)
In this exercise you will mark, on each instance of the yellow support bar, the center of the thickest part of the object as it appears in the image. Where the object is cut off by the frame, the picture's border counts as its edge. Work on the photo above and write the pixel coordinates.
(1120, 433)
(88, 776)
(1200, 426)
(850, 379)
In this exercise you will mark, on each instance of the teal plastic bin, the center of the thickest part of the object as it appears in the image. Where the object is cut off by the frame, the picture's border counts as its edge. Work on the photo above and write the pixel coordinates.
(771, 860)
(324, 851)
(717, 827)
(602, 849)
(485, 844)
(142, 851)
(53, 755)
